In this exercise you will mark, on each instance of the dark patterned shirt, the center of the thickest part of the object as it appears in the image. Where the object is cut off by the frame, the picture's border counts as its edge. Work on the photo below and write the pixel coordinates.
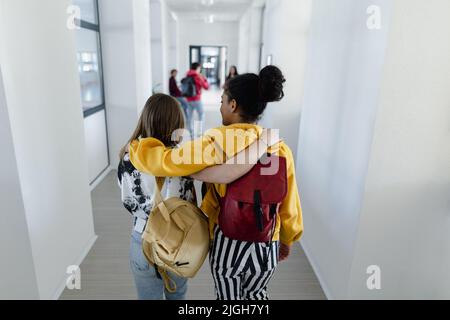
(138, 188)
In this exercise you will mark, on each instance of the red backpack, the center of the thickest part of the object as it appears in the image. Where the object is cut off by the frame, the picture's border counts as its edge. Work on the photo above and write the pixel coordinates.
(249, 208)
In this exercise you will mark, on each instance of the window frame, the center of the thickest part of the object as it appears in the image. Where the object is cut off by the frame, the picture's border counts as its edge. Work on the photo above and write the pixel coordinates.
(80, 23)
(199, 47)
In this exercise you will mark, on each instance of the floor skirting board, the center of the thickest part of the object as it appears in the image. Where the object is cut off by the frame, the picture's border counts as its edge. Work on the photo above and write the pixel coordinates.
(319, 276)
(77, 262)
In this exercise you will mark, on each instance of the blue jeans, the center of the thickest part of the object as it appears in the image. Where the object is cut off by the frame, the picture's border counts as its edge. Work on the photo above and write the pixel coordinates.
(196, 106)
(148, 285)
(185, 106)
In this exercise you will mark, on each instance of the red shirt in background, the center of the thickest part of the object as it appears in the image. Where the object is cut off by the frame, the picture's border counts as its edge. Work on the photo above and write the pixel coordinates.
(200, 83)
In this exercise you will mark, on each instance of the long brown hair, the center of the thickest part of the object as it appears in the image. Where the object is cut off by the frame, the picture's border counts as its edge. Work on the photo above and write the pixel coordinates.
(162, 115)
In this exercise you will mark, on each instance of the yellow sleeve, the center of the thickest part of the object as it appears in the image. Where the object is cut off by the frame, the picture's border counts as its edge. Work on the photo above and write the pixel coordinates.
(290, 211)
(211, 207)
(151, 156)
(210, 204)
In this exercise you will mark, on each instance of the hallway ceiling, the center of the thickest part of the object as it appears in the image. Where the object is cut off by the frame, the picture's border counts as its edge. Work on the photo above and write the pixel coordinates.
(222, 10)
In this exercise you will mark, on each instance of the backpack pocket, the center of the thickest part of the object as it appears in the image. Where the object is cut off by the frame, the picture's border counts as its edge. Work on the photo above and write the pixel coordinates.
(249, 209)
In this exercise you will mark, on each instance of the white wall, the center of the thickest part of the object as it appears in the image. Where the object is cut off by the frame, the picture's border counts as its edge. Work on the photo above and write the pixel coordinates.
(250, 39)
(38, 61)
(244, 39)
(344, 67)
(286, 26)
(158, 21)
(95, 127)
(17, 276)
(172, 36)
(193, 32)
(405, 218)
(125, 31)
(96, 143)
(372, 161)
(142, 51)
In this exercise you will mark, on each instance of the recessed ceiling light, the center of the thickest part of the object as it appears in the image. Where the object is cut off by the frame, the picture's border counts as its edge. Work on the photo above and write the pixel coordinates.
(209, 19)
(207, 3)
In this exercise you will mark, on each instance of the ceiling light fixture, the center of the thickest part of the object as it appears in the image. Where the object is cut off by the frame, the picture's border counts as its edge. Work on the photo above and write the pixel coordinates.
(207, 3)
(209, 19)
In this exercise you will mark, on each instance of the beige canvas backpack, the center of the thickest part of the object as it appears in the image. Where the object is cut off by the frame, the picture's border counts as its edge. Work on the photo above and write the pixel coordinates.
(176, 237)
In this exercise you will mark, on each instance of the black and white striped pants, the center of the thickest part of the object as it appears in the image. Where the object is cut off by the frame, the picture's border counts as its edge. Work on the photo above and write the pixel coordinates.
(242, 270)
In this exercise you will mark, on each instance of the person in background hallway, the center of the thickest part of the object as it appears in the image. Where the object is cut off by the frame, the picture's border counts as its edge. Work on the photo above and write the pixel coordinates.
(196, 103)
(233, 73)
(176, 92)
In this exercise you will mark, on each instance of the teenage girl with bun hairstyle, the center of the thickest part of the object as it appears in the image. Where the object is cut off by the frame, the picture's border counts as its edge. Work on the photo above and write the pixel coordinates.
(241, 270)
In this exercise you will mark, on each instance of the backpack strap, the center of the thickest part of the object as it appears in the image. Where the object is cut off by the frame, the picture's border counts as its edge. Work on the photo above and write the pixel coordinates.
(258, 210)
(158, 274)
(159, 202)
(169, 283)
(273, 210)
(159, 183)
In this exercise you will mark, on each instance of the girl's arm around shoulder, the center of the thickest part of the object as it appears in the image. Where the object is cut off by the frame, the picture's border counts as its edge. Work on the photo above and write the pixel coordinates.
(241, 163)
(152, 157)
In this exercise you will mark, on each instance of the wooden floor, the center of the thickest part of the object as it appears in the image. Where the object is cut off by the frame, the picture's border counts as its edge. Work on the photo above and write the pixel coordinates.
(105, 273)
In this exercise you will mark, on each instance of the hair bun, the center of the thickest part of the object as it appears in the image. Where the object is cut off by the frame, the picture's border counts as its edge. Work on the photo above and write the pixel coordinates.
(271, 82)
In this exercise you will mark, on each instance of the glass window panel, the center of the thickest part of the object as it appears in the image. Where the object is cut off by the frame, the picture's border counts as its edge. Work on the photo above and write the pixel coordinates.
(210, 51)
(195, 55)
(89, 68)
(88, 10)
